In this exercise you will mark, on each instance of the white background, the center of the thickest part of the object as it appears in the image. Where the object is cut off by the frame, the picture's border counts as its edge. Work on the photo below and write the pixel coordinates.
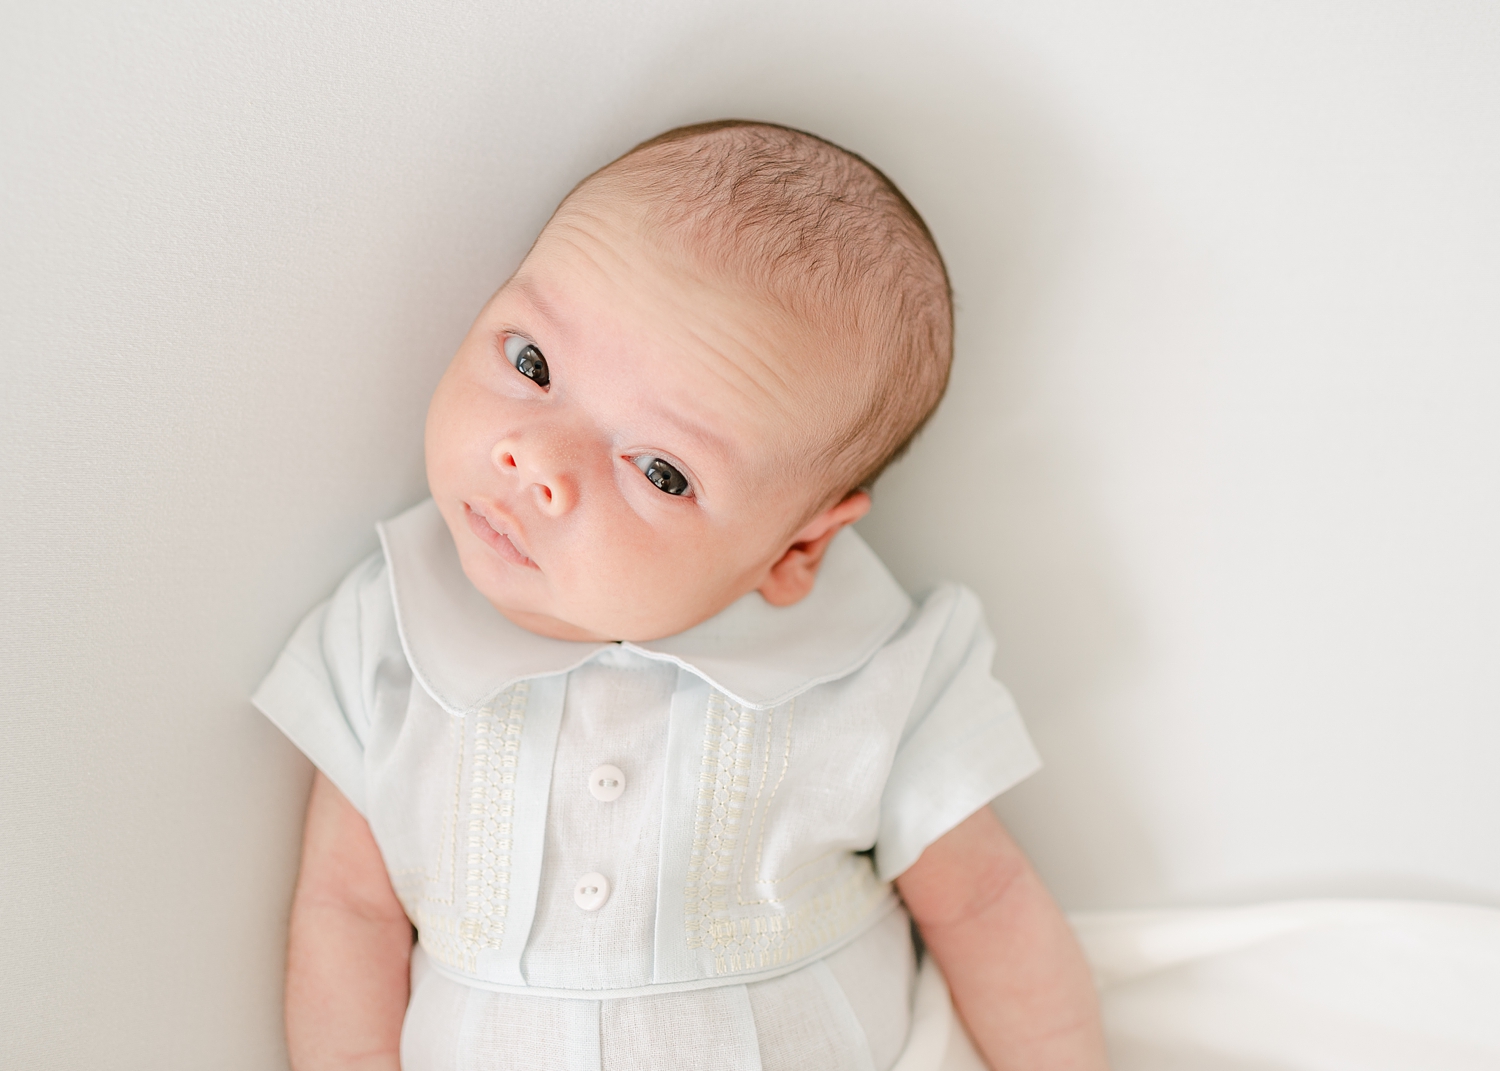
(1221, 453)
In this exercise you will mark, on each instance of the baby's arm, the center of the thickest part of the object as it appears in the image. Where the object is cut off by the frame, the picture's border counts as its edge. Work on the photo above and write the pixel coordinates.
(1016, 972)
(350, 946)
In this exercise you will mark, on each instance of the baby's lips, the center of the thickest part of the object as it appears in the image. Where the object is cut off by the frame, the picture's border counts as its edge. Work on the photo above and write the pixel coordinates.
(495, 528)
(518, 547)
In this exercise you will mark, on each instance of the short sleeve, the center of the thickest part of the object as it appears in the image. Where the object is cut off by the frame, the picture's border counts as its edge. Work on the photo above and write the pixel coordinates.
(964, 741)
(319, 692)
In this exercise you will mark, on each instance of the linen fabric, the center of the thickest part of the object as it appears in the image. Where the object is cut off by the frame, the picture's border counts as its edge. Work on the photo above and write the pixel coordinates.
(847, 1012)
(780, 768)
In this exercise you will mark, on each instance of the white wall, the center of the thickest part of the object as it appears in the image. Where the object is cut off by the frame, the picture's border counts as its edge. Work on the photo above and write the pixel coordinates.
(1220, 454)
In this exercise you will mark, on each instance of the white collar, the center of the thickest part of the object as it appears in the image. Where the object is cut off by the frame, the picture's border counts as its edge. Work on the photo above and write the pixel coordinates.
(464, 651)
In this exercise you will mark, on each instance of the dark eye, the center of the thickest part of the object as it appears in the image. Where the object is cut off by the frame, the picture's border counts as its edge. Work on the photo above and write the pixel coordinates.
(527, 359)
(659, 472)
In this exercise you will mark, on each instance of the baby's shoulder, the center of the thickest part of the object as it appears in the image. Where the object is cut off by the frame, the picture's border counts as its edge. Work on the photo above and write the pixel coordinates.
(946, 615)
(943, 638)
(362, 606)
(353, 636)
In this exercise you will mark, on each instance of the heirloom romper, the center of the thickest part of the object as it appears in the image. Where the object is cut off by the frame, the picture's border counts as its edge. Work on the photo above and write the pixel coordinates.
(675, 854)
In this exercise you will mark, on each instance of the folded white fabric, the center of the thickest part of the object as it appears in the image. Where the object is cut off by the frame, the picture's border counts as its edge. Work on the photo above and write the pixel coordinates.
(1300, 986)
(1320, 985)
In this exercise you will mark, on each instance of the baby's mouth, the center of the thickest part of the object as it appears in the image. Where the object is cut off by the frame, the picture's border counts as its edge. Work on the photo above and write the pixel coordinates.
(497, 538)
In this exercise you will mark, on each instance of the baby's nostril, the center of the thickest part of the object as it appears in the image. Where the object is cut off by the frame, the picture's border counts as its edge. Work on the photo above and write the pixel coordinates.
(547, 492)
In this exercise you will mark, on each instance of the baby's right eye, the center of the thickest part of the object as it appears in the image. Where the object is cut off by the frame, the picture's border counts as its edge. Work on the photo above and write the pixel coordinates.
(527, 359)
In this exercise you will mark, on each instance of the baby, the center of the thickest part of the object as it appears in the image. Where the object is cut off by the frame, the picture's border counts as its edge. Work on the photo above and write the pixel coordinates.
(624, 725)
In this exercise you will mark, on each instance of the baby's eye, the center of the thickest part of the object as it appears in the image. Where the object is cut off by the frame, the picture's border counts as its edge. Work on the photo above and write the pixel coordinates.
(527, 359)
(661, 473)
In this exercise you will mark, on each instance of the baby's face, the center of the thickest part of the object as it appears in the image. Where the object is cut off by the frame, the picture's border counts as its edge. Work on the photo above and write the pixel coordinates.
(617, 446)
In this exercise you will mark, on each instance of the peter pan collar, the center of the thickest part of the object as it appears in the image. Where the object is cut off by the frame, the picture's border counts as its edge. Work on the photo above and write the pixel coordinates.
(464, 651)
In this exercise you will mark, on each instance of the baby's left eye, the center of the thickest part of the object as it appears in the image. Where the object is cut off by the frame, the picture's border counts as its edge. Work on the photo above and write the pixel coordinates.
(663, 474)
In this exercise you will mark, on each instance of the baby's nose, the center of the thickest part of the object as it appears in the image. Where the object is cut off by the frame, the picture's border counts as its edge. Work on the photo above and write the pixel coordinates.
(543, 474)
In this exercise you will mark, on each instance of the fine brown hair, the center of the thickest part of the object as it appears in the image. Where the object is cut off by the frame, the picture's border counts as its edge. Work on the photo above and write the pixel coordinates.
(832, 241)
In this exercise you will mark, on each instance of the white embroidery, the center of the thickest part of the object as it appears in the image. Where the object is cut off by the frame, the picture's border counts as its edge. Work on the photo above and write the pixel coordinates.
(492, 797)
(722, 786)
(759, 941)
(828, 903)
(759, 812)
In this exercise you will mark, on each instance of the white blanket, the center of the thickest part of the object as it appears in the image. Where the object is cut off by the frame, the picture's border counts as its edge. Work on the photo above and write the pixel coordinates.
(1303, 986)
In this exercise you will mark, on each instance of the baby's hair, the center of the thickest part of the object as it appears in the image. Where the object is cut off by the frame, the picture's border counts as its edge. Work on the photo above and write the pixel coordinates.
(832, 241)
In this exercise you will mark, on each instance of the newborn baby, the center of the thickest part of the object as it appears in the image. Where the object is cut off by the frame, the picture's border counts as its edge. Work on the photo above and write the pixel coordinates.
(624, 725)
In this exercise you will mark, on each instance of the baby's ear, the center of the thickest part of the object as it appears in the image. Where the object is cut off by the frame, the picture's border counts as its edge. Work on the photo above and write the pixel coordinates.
(792, 577)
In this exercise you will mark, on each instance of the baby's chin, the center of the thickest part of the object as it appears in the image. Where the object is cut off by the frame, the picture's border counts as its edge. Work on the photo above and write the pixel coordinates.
(635, 619)
(531, 600)
(605, 628)
(553, 627)
(599, 605)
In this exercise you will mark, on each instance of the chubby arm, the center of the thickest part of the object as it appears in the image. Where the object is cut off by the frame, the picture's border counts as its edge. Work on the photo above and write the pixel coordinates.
(350, 946)
(1018, 977)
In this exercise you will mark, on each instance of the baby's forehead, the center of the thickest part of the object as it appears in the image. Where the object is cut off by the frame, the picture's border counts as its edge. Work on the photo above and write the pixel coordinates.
(811, 238)
(610, 219)
(595, 271)
(684, 348)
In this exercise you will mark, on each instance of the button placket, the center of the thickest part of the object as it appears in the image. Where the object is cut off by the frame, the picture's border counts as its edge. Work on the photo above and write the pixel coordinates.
(606, 784)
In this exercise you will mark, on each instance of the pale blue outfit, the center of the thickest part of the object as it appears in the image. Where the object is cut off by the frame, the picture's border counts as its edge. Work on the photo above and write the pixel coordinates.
(673, 854)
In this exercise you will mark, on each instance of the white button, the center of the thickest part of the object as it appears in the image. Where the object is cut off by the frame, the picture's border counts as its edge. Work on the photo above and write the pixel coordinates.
(591, 892)
(606, 783)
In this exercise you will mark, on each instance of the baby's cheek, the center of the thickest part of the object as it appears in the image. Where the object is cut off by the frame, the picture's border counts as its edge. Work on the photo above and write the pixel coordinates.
(637, 581)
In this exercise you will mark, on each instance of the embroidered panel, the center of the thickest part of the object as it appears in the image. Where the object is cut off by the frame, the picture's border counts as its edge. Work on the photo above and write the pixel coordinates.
(750, 921)
(492, 808)
(724, 782)
(459, 903)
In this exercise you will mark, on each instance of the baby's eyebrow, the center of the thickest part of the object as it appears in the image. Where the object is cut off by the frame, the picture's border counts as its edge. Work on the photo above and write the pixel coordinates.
(525, 288)
(702, 435)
